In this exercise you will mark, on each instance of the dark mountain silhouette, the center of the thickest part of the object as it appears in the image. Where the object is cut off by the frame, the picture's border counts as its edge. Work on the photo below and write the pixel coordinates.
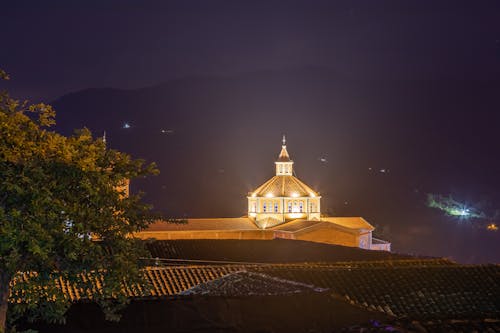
(216, 138)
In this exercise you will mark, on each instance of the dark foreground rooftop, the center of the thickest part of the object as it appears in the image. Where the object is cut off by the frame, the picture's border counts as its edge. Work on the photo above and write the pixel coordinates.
(293, 286)
(263, 251)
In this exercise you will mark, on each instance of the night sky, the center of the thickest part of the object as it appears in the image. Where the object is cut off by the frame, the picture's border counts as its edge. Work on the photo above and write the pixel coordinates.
(382, 102)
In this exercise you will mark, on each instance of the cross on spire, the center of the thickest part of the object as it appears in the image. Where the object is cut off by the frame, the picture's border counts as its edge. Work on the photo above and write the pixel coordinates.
(284, 140)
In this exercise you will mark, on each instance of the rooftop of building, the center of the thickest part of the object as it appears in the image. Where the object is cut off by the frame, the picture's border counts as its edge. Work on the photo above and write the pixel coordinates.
(232, 223)
(284, 186)
(244, 223)
(419, 289)
(252, 272)
(264, 251)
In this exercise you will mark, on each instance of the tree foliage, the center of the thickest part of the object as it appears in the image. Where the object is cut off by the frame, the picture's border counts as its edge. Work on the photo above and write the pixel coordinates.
(62, 210)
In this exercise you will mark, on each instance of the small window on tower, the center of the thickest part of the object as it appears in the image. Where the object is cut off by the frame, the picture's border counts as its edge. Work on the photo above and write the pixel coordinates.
(289, 206)
(275, 207)
(264, 207)
(300, 204)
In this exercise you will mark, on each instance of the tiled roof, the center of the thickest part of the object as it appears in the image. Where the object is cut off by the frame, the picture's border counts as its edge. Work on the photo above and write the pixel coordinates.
(169, 281)
(242, 223)
(284, 186)
(296, 225)
(245, 283)
(435, 291)
(349, 222)
(159, 282)
(407, 288)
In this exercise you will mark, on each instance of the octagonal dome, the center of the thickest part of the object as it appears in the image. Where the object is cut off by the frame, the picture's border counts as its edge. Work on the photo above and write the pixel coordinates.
(284, 186)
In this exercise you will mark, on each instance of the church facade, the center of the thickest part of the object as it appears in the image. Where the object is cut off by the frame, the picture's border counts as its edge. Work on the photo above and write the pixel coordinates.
(282, 207)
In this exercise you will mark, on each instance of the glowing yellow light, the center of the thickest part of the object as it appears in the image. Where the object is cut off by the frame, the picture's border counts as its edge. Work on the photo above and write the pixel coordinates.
(253, 195)
(295, 194)
(269, 195)
(492, 226)
(253, 215)
(312, 195)
(295, 215)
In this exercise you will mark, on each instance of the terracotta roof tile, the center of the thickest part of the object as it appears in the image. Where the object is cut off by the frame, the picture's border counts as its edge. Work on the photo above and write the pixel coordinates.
(414, 288)
(404, 288)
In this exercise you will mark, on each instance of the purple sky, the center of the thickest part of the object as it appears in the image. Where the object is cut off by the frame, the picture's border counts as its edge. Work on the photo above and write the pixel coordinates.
(52, 48)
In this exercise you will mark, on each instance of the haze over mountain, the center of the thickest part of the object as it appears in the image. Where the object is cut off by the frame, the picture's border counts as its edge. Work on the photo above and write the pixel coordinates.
(371, 148)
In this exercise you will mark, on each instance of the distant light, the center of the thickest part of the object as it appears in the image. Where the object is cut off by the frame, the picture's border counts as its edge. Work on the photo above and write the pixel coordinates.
(269, 195)
(492, 227)
(458, 212)
(126, 126)
(454, 208)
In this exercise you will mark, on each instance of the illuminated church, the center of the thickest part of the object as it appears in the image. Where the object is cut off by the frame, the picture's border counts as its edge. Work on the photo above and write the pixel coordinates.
(284, 197)
(282, 207)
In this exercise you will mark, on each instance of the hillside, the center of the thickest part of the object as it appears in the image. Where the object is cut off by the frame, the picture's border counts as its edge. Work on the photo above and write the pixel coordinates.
(215, 139)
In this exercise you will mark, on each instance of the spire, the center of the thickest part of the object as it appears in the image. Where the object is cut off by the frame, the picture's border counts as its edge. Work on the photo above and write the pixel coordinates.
(284, 163)
(104, 138)
(284, 157)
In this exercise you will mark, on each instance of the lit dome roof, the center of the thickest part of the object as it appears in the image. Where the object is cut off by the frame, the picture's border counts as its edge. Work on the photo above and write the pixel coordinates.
(284, 186)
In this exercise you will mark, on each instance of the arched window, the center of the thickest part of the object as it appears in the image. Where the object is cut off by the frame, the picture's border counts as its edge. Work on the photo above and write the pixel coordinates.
(254, 207)
(275, 207)
(264, 207)
(289, 206)
(300, 205)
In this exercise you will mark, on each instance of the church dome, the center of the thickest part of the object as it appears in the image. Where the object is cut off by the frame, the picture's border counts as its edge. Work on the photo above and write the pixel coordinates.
(284, 197)
(284, 186)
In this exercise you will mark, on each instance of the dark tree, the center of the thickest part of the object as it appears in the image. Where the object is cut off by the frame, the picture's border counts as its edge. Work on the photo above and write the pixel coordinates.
(62, 211)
